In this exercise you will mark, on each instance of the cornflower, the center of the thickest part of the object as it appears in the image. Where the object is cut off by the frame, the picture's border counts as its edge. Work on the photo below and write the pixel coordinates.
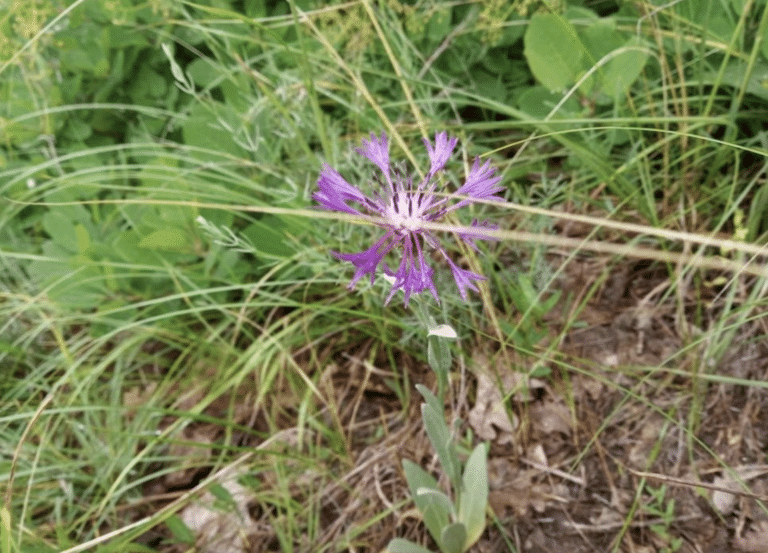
(402, 209)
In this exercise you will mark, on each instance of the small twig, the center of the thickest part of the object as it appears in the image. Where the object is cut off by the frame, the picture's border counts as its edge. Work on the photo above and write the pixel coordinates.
(555, 472)
(691, 484)
(380, 492)
(620, 524)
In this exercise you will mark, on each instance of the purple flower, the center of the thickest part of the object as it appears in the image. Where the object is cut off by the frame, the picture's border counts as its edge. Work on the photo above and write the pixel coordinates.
(404, 208)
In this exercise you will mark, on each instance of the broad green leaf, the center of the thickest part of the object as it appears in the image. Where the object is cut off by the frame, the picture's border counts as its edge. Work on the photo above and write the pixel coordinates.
(161, 172)
(61, 229)
(539, 102)
(269, 235)
(255, 8)
(148, 86)
(204, 72)
(474, 496)
(126, 247)
(434, 514)
(399, 545)
(224, 499)
(454, 537)
(599, 38)
(756, 82)
(166, 240)
(16, 101)
(624, 68)
(68, 279)
(439, 498)
(77, 130)
(439, 25)
(52, 265)
(439, 435)
(553, 51)
(120, 37)
(83, 239)
(211, 131)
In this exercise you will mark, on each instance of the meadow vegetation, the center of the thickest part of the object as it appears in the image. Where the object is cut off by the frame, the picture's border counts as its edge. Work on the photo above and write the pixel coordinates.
(183, 367)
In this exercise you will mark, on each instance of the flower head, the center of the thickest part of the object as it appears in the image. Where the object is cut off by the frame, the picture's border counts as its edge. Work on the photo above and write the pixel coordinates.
(404, 208)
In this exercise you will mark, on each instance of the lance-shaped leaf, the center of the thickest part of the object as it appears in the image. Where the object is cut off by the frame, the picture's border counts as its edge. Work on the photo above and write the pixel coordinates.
(432, 508)
(474, 495)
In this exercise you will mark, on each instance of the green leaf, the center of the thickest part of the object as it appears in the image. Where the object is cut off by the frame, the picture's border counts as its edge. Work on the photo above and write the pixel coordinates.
(179, 530)
(439, 498)
(399, 545)
(599, 38)
(439, 25)
(756, 82)
(161, 173)
(432, 511)
(454, 537)
(205, 129)
(203, 72)
(440, 436)
(224, 499)
(474, 496)
(430, 398)
(764, 44)
(83, 239)
(52, 265)
(269, 236)
(624, 68)
(539, 102)
(77, 130)
(61, 229)
(553, 51)
(166, 240)
(438, 354)
(757, 222)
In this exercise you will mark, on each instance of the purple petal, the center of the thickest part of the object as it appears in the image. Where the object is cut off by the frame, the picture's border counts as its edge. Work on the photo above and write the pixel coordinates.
(414, 274)
(335, 192)
(441, 152)
(480, 184)
(367, 261)
(469, 236)
(377, 150)
(464, 279)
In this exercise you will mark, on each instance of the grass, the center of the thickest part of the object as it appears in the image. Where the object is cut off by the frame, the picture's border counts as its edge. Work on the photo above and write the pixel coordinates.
(161, 371)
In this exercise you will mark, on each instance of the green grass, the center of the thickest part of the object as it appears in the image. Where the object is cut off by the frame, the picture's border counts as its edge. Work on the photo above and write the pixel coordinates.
(146, 355)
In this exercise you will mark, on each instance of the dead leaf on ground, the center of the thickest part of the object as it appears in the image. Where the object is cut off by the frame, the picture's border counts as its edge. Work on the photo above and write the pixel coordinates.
(138, 396)
(551, 416)
(755, 540)
(489, 417)
(650, 432)
(734, 480)
(193, 453)
(222, 528)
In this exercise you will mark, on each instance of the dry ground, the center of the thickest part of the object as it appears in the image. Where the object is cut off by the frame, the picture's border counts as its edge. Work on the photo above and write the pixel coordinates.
(624, 446)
